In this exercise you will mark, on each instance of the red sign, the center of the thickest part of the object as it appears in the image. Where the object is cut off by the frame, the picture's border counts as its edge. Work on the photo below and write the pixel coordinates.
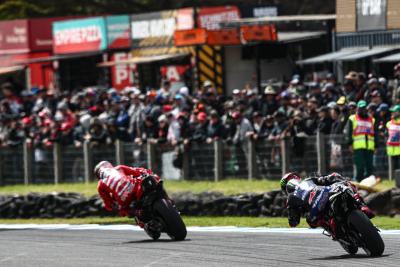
(40, 34)
(210, 17)
(174, 73)
(121, 74)
(259, 33)
(14, 36)
(190, 37)
(21, 36)
(223, 37)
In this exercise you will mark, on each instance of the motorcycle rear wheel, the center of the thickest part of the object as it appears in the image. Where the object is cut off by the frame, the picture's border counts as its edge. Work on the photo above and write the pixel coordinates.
(370, 236)
(175, 227)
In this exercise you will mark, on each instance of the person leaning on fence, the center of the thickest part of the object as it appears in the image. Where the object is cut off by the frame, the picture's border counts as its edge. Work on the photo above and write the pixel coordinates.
(393, 140)
(360, 134)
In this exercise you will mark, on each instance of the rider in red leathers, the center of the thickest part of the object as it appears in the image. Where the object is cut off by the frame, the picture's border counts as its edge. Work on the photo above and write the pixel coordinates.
(120, 186)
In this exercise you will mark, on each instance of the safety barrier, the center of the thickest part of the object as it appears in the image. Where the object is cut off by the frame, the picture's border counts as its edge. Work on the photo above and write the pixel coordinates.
(260, 159)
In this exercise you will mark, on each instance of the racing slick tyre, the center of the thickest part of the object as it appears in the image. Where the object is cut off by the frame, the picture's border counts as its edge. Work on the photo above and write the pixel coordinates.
(175, 227)
(373, 243)
(352, 250)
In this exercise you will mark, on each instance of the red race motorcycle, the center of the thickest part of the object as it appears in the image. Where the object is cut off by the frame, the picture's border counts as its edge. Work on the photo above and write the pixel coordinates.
(158, 212)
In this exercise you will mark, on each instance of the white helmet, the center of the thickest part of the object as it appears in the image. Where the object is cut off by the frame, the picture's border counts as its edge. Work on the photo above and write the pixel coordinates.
(101, 165)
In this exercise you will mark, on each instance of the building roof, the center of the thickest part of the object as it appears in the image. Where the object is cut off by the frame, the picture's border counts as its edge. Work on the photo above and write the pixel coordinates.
(276, 19)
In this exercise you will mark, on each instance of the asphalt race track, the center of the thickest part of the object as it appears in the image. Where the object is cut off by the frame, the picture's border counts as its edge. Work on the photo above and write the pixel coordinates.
(61, 247)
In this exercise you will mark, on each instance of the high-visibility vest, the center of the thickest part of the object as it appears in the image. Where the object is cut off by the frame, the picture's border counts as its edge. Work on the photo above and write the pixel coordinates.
(363, 132)
(393, 141)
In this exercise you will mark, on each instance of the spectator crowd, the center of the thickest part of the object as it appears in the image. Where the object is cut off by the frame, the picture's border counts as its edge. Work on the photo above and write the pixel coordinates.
(295, 109)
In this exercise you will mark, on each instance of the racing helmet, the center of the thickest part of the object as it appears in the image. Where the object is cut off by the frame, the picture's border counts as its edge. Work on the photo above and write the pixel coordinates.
(97, 170)
(287, 177)
(291, 185)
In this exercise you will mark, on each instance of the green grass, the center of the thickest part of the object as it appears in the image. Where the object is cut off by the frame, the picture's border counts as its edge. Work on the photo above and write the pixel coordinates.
(86, 189)
(228, 187)
(381, 222)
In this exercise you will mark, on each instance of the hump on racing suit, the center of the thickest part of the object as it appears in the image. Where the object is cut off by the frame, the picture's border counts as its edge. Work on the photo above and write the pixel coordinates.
(311, 197)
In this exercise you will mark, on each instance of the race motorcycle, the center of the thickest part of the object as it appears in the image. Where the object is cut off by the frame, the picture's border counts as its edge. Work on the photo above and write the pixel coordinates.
(353, 228)
(158, 211)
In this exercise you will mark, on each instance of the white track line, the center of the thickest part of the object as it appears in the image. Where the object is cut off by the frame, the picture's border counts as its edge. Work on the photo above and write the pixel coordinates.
(126, 227)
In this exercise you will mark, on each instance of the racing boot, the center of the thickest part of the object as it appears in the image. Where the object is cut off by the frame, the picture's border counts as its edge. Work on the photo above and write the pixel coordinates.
(363, 207)
(332, 228)
(367, 211)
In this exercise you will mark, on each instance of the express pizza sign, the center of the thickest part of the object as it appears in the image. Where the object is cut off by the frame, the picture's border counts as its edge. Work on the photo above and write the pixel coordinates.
(86, 35)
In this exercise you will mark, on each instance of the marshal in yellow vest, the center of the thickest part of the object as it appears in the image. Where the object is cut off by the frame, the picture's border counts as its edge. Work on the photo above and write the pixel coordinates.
(363, 132)
(393, 141)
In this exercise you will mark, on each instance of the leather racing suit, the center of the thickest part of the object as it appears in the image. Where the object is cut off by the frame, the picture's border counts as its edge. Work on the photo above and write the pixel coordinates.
(311, 197)
(120, 186)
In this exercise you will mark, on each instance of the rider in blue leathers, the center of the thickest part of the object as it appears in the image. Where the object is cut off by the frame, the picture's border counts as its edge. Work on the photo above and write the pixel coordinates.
(311, 196)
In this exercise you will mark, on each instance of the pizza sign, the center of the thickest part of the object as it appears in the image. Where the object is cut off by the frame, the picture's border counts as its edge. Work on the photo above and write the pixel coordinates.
(79, 36)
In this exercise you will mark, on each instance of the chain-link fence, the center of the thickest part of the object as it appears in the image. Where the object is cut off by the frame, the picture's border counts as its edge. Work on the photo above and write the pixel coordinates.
(73, 167)
(381, 159)
(303, 154)
(135, 155)
(338, 156)
(43, 165)
(268, 159)
(265, 159)
(103, 152)
(12, 165)
(201, 161)
(235, 164)
(169, 161)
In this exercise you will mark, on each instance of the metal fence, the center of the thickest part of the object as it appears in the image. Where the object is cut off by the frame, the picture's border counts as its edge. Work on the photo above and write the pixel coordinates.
(11, 167)
(73, 168)
(261, 159)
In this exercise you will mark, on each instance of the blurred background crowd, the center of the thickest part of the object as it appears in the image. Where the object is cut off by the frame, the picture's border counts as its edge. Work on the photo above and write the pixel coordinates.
(101, 116)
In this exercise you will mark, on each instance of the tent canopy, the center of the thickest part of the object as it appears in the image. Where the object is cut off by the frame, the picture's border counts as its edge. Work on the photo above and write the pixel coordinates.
(391, 58)
(328, 57)
(347, 55)
(367, 53)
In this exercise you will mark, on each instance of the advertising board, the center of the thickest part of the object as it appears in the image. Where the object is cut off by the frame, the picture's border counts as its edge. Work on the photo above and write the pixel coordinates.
(118, 32)
(76, 36)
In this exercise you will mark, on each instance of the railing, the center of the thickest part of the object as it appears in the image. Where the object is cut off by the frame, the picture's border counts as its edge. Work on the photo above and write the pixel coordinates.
(261, 159)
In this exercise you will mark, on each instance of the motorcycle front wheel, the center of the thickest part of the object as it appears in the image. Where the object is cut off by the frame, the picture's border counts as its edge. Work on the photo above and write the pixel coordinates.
(369, 235)
(175, 227)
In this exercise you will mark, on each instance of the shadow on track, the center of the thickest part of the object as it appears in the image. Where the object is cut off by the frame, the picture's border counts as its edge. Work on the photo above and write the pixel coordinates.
(154, 241)
(348, 256)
